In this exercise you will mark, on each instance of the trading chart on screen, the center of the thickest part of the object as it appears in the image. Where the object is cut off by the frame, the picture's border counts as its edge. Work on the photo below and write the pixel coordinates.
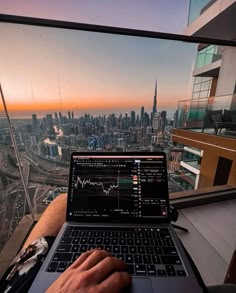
(118, 186)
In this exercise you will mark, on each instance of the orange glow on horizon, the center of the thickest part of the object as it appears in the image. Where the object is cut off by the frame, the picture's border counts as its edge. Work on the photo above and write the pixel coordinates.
(76, 104)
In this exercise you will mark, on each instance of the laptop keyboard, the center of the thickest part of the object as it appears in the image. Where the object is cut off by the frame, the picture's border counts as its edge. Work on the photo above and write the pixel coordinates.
(146, 251)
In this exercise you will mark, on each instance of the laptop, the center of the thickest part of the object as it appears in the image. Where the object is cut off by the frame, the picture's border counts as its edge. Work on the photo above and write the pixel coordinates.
(119, 202)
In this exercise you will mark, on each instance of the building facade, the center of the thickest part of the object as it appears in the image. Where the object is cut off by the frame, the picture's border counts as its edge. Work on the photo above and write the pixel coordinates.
(210, 159)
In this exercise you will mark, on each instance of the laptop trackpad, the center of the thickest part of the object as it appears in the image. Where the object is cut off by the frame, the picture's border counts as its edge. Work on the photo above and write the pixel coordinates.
(140, 285)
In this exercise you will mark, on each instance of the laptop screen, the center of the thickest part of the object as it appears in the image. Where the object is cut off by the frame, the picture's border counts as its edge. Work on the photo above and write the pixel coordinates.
(118, 186)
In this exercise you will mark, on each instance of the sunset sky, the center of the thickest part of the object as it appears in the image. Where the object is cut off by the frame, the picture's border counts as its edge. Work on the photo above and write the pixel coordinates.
(51, 69)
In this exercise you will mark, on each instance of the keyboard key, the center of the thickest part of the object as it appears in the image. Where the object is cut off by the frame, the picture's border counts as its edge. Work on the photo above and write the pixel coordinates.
(66, 240)
(107, 241)
(62, 267)
(161, 273)
(169, 242)
(157, 250)
(75, 240)
(89, 234)
(130, 242)
(52, 267)
(122, 241)
(114, 241)
(140, 270)
(138, 259)
(129, 258)
(181, 273)
(124, 249)
(83, 248)
(83, 240)
(153, 242)
(82, 233)
(75, 233)
(149, 250)
(63, 256)
(67, 233)
(125, 234)
(98, 241)
(156, 259)
(161, 242)
(96, 234)
(141, 250)
(116, 249)
(170, 270)
(75, 248)
(91, 240)
(169, 250)
(151, 270)
(64, 248)
(104, 234)
(108, 248)
(146, 242)
(147, 259)
(169, 259)
(132, 249)
(140, 234)
(137, 242)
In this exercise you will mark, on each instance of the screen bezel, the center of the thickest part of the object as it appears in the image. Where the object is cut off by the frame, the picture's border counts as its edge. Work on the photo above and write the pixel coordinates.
(162, 219)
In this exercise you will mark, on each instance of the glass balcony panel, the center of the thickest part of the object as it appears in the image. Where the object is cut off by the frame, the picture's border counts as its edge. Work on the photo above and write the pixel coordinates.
(13, 204)
(192, 114)
(208, 55)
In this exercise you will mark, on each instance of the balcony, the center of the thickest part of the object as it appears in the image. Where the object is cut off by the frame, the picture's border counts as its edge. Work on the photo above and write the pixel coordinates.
(199, 115)
(214, 19)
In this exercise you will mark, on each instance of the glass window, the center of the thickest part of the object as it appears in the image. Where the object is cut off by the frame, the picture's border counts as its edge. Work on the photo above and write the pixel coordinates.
(196, 95)
(204, 94)
(197, 87)
(205, 85)
(195, 8)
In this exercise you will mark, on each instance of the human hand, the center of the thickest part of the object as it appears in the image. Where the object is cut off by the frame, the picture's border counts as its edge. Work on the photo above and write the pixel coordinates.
(94, 271)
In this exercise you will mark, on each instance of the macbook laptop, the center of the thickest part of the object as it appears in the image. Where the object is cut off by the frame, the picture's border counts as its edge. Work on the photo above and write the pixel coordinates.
(119, 202)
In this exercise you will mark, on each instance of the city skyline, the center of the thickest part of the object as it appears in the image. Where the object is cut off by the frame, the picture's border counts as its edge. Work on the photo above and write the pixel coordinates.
(58, 69)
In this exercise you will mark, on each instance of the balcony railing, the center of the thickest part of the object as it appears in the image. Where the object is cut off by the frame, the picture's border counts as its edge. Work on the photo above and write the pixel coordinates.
(206, 58)
(192, 113)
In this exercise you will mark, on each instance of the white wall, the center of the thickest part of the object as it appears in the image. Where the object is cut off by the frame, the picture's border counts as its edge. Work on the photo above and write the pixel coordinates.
(227, 75)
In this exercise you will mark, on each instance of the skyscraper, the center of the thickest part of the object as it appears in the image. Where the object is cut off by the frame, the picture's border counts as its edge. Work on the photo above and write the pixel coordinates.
(154, 109)
(142, 116)
(132, 115)
(35, 124)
